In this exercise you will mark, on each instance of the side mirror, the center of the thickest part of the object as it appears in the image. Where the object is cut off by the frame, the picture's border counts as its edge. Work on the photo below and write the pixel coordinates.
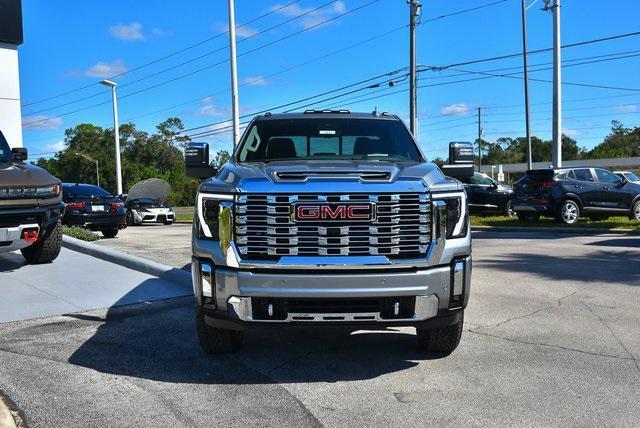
(196, 156)
(19, 154)
(461, 156)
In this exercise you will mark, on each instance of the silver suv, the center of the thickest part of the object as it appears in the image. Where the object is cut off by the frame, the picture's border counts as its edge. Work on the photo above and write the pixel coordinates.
(328, 218)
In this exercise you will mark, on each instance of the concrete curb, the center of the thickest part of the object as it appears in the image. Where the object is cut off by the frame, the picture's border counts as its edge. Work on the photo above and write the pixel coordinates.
(577, 230)
(140, 264)
(6, 418)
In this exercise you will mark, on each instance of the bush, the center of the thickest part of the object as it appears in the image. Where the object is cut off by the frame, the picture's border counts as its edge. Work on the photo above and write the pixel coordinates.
(80, 233)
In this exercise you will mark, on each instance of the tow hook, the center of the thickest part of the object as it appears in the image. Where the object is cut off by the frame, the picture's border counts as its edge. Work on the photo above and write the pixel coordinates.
(30, 235)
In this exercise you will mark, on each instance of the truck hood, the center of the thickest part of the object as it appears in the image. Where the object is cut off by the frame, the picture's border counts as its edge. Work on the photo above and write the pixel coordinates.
(21, 174)
(343, 176)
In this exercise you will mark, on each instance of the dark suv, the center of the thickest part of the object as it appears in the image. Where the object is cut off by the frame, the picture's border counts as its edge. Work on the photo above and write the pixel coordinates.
(568, 193)
(487, 196)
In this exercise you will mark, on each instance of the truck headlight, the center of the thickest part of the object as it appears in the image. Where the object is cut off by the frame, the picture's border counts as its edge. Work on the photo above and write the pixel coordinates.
(456, 214)
(214, 216)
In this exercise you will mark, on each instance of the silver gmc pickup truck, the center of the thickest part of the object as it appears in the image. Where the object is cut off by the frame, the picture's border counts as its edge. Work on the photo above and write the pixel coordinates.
(328, 218)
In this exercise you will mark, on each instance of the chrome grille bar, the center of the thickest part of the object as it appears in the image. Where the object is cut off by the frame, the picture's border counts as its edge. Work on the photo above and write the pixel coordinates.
(265, 229)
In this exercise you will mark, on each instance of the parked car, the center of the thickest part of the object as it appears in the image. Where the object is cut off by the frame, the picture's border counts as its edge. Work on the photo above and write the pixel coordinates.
(628, 175)
(487, 196)
(568, 193)
(93, 208)
(328, 218)
(30, 207)
(146, 202)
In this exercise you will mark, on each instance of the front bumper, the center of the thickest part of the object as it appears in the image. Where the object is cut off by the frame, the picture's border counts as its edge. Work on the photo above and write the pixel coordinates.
(153, 217)
(233, 298)
(15, 220)
(12, 238)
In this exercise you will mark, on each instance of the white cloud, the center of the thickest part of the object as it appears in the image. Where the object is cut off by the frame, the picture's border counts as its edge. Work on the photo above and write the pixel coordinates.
(255, 81)
(626, 108)
(105, 69)
(459, 109)
(243, 31)
(312, 18)
(42, 122)
(209, 108)
(571, 132)
(54, 147)
(132, 31)
(157, 32)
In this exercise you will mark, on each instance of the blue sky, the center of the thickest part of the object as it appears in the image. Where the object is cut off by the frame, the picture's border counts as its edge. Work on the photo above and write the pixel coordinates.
(71, 45)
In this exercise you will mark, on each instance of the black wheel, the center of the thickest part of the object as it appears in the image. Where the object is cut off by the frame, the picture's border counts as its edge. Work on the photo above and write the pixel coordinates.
(131, 221)
(217, 341)
(568, 212)
(635, 212)
(110, 233)
(46, 248)
(443, 340)
(528, 217)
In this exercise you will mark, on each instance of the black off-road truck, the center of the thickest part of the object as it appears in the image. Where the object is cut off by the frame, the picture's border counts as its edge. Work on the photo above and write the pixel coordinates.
(30, 207)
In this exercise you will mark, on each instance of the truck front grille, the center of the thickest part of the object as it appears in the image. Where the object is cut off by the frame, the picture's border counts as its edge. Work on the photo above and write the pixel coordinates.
(265, 227)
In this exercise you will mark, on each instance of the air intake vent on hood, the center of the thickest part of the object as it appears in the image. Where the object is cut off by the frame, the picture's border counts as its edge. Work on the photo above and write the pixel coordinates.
(361, 175)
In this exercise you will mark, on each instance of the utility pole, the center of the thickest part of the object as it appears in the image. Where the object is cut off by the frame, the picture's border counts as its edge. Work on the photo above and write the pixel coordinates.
(526, 84)
(116, 132)
(234, 73)
(556, 151)
(414, 13)
(479, 138)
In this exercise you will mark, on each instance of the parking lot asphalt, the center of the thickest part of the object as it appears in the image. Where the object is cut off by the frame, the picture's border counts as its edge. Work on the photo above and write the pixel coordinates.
(167, 244)
(551, 339)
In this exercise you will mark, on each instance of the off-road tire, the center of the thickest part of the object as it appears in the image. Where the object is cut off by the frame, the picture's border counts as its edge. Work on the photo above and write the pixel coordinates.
(442, 340)
(110, 233)
(216, 341)
(526, 217)
(46, 248)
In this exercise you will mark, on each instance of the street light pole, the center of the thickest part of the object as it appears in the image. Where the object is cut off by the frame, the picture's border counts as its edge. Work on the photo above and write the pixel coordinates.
(526, 84)
(414, 13)
(556, 153)
(116, 132)
(234, 73)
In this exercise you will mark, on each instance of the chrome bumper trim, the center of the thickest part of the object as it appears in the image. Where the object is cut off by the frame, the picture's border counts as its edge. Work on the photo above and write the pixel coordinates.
(425, 307)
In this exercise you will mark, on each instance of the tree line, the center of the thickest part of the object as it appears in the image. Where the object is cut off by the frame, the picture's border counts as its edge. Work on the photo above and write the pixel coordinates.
(143, 154)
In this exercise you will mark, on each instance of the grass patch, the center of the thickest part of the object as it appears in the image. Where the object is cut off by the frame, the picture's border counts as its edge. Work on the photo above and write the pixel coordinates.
(502, 221)
(184, 217)
(80, 233)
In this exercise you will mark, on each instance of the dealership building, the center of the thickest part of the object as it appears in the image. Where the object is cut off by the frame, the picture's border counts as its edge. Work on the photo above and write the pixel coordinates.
(10, 39)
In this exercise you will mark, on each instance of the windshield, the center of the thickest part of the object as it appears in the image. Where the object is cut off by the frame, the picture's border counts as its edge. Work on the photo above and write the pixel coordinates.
(322, 138)
(5, 150)
(631, 176)
(84, 191)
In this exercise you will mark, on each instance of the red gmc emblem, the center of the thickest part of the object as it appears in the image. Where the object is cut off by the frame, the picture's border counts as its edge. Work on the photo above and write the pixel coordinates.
(333, 212)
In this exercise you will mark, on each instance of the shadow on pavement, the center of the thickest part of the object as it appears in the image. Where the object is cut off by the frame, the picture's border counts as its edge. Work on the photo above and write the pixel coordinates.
(10, 262)
(617, 242)
(603, 266)
(158, 341)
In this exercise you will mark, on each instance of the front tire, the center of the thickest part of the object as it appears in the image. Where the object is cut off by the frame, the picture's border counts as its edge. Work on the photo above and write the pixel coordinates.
(635, 211)
(109, 233)
(442, 341)
(568, 212)
(216, 341)
(47, 248)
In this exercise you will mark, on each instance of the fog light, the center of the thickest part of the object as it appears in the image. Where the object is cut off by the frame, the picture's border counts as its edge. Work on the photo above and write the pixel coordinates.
(458, 278)
(206, 273)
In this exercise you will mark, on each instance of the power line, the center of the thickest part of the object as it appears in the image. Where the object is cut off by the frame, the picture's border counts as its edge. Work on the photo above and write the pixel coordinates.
(189, 61)
(309, 28)
(179, 51)
(437, 18)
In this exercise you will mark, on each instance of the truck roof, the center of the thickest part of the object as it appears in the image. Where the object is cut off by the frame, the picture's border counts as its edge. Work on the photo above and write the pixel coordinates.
(327, 114)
